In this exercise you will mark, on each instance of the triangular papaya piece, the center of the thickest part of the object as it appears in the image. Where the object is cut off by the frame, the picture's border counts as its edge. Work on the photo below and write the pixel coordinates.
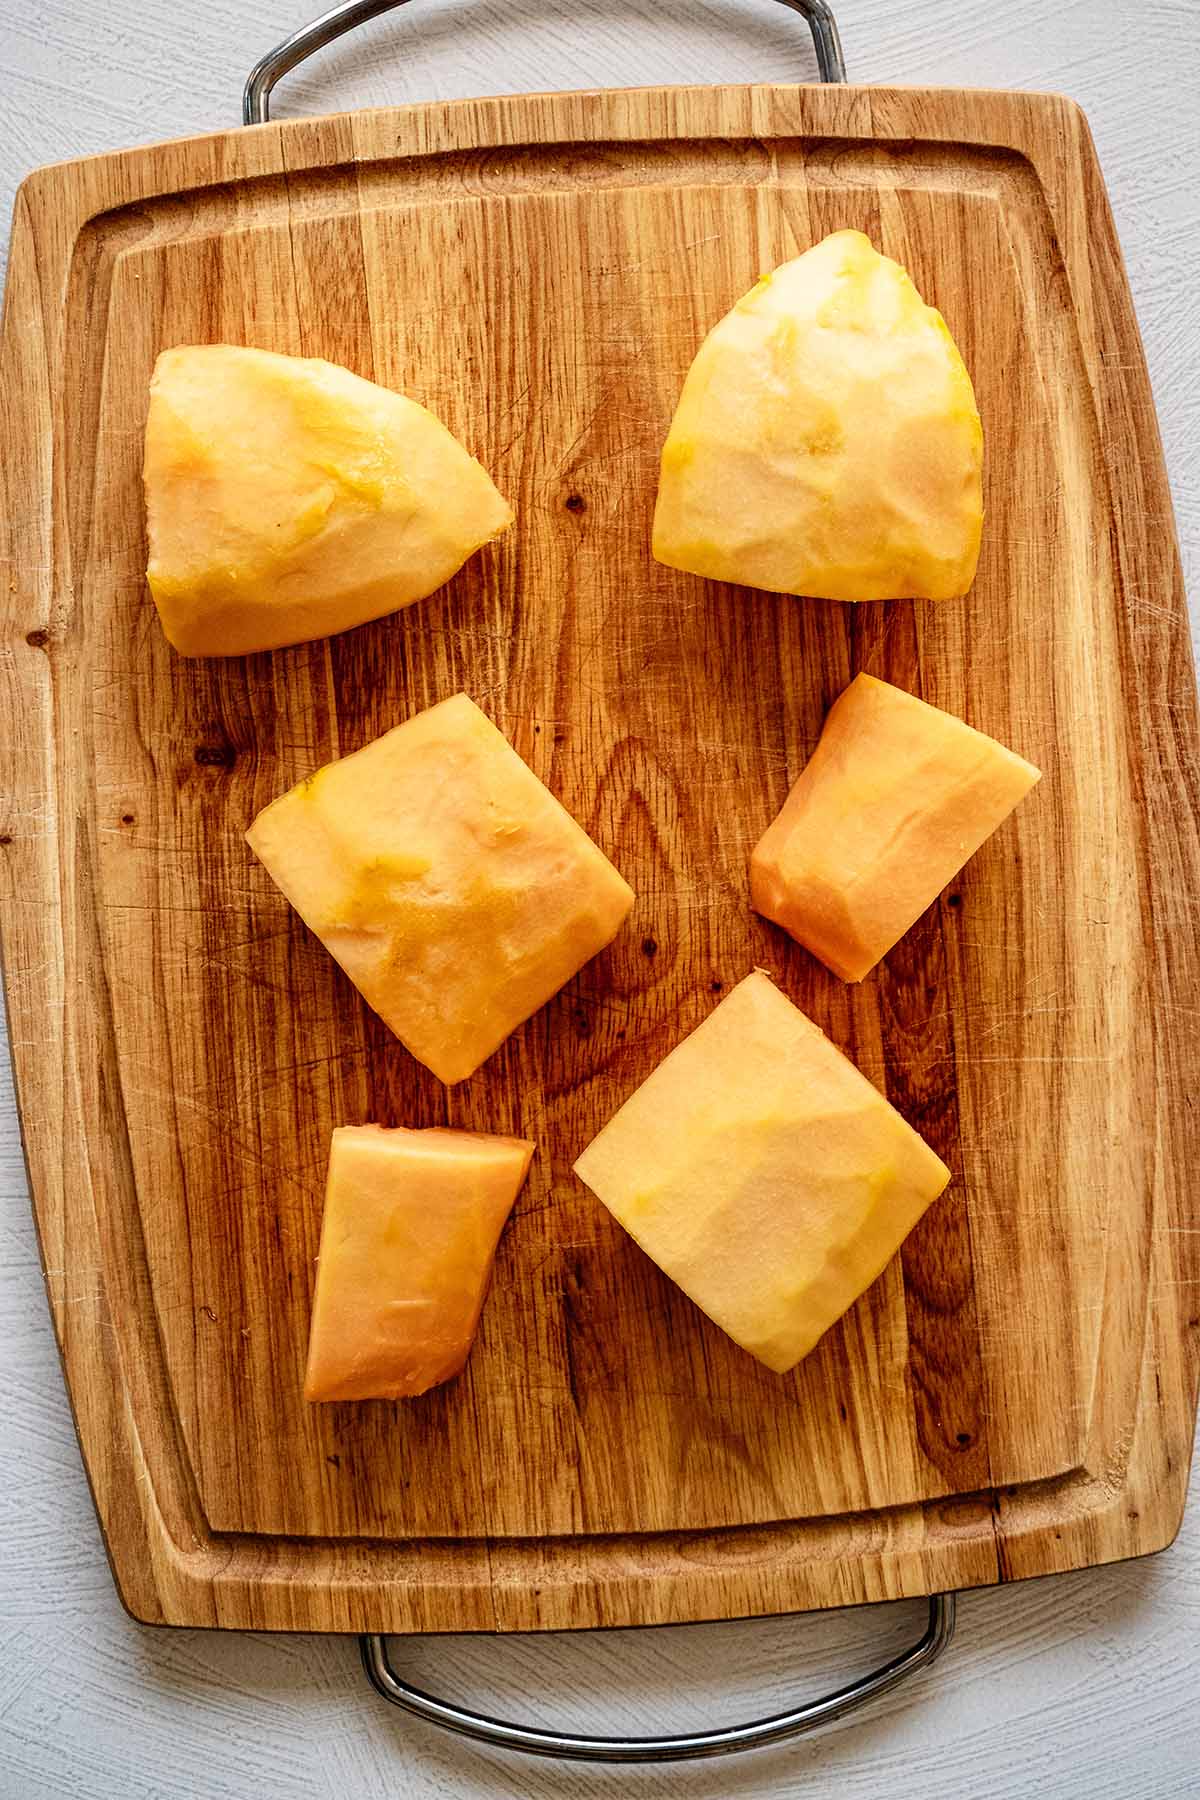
(288, 499)
(827, 441)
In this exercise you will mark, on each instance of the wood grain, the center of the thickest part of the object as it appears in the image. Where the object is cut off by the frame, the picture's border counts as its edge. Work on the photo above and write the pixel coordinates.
(1018, 1392)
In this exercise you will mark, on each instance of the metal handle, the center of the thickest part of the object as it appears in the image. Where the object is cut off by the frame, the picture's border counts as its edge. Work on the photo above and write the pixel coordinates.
(577, 1747)
(256, 97)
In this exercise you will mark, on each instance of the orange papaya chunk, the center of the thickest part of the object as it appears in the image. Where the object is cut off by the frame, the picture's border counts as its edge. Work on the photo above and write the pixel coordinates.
(411, 1224)
(893, 801)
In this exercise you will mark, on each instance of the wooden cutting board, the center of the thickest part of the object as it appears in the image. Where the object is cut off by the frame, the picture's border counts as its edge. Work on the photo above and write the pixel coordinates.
(1017, 1393)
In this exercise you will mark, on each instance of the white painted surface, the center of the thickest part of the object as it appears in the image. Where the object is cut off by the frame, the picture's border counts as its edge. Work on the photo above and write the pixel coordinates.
(1083, 1687)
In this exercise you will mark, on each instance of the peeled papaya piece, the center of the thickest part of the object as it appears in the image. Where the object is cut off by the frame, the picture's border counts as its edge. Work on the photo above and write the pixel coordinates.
(763, 1173)
(826, 441)
(893, 801)
(412, 1220)
(288, 499)
(452, 887)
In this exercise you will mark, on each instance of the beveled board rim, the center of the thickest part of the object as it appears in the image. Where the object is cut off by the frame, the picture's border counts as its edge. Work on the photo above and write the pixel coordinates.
(169, 1567)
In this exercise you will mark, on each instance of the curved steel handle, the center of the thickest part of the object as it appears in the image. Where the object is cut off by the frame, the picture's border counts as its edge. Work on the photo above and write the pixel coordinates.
(256, 97)
(576, 1747)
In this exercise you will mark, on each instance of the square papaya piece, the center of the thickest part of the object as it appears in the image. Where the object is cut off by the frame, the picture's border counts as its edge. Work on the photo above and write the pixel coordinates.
(763, 1173)
(412, 1220)
(895, 798)
(451, 886)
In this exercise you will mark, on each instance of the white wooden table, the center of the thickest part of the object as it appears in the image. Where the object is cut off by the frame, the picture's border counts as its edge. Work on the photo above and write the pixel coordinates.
(1083, 1687)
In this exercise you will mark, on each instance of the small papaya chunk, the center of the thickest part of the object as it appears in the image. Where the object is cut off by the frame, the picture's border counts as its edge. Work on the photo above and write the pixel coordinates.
(895, 798)
(411, 1224)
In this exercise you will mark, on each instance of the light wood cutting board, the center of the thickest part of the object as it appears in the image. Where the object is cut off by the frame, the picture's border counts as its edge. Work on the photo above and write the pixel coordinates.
(1017, 1393)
